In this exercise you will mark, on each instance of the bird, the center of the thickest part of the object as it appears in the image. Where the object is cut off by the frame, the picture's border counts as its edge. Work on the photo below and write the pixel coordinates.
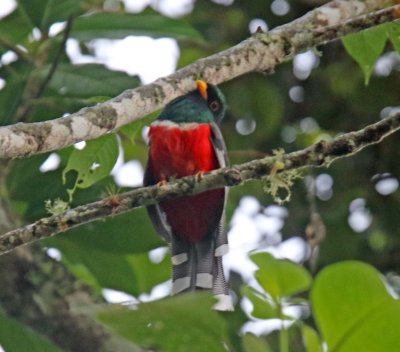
(184, 140)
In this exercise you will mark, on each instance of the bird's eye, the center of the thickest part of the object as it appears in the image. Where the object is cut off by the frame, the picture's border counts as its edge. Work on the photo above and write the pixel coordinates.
(214, 106)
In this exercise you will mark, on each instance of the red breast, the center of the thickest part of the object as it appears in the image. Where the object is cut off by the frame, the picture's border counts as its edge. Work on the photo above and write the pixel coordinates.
(182, 150)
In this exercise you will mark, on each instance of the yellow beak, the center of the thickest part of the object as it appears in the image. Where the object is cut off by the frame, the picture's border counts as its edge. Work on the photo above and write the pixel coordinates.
(202, 88)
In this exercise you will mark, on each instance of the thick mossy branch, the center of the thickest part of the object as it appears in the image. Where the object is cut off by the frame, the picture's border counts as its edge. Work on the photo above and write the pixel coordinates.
(260, 52)
(319, 154)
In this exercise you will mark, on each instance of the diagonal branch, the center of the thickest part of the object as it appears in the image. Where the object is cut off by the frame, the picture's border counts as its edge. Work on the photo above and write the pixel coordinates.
(260, 52)
(319, 154)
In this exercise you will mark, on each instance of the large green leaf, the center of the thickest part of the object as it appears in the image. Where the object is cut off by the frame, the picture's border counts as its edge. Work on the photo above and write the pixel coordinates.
(121, 25)
(88, 80)
(280, 277)
(366, 47)
(94, 162)
(43, 13)
(354, 310)
(15, 337)
(179, 324)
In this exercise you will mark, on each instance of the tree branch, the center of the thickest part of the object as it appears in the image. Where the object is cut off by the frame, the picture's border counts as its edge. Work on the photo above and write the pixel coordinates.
(260, 52)
(319, 154)
(10, 46)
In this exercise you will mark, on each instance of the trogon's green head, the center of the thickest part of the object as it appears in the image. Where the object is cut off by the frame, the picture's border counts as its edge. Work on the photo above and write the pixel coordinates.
(205, 104)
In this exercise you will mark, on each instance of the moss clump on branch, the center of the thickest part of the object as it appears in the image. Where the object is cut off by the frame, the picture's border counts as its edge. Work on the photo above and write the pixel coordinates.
(278, 185)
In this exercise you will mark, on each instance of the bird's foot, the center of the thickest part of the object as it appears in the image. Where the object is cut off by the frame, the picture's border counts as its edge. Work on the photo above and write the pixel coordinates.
(199, 176)
(161, 184)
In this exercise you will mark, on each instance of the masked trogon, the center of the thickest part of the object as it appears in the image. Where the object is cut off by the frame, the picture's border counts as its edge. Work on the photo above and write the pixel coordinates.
(185, 140)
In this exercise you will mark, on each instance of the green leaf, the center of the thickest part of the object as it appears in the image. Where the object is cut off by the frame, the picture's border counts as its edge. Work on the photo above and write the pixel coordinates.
(10, 98)
(365, 47)
(14, 28)
(15, 75)
(131, 233)
(394, 34)
(134, 274)
(354, 310)
(43, 13)
(253, 343)
(114, 253)
(311, 339)
(131, 273)
(262, 308)
(94, 162)
(177, 324)
(15, 337)
(100, 269)
(121, 25)
(88, 81)
(280, 277)
(48, 185)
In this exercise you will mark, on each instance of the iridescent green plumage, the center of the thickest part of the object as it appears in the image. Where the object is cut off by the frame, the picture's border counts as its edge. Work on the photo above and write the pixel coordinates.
(192, 107)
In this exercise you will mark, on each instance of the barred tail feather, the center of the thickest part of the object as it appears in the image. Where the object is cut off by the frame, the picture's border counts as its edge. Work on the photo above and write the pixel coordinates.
(199, 266)
(182, 258)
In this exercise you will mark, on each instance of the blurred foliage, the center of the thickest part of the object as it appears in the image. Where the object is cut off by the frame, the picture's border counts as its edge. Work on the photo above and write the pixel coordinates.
(353, 309)
(14, 337)
(174, 324)
(281, 109)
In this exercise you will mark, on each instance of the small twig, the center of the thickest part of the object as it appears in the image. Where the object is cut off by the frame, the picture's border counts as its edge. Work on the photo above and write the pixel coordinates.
(315, 230)
(20, 53)
(56, 61)
(37, 89)
(319, 154)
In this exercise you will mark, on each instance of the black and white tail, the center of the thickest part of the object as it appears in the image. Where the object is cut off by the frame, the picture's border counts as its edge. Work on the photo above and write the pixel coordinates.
(199, 266)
